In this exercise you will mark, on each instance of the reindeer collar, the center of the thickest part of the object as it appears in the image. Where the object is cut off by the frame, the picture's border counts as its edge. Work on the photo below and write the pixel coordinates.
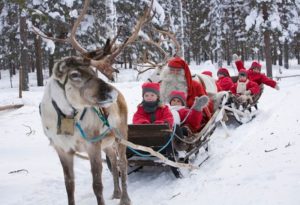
(65, 124)
(62, 85)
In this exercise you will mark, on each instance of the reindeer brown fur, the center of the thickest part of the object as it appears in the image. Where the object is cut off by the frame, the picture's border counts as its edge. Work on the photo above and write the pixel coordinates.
(73, 88)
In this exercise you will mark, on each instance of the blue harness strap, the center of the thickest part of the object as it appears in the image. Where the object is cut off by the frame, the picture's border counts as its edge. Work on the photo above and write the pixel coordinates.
(95, 138)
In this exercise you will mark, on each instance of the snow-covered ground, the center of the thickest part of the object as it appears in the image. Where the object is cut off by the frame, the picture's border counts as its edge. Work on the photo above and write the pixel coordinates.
(257, 164)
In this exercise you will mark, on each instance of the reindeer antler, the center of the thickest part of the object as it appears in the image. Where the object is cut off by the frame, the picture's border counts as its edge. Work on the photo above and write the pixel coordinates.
(163, 36)
(104, 58)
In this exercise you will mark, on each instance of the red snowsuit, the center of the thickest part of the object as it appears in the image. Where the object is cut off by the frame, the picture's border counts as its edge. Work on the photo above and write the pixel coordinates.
(252, 86)
(162, 115)
(193, 117)
(224, 83)
(259, 78)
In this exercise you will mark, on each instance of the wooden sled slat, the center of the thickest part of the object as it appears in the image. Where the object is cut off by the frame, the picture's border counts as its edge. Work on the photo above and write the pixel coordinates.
(150, 135)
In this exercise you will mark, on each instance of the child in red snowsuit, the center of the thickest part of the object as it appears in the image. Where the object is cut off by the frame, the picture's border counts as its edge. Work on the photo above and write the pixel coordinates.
(254, 73)
(224, 82)
(151, 110)
(184, 116)
(244, 88)
(188, 121)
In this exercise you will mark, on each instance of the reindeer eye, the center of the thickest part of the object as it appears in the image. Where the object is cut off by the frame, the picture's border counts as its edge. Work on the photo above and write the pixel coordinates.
(75, 75)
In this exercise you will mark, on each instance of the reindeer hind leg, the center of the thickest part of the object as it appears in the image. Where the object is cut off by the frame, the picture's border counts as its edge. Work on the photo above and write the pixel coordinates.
(125, 200)
(112, 156)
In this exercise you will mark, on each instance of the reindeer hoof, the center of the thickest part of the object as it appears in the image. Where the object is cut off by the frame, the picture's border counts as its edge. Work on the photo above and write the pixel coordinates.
(116, 195)
(125, 202)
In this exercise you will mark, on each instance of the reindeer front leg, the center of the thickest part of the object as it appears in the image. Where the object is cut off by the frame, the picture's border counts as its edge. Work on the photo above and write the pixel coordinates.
(94, 152)
(67, 162)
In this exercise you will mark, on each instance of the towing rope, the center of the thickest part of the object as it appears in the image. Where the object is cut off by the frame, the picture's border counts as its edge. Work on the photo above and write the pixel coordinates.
(133, 146)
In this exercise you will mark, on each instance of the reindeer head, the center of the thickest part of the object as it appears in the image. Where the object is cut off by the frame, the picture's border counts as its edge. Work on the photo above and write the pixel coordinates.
(82, 87)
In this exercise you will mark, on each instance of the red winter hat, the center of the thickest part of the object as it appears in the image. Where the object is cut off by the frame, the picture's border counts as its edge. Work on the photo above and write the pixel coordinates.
(151, 87)
(223, 71)
(177, 62)
(243, 72)
(255, 64)
(178, 94)
(207, 73)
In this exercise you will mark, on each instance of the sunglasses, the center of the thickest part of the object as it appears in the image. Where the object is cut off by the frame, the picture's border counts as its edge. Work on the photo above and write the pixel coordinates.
(243, 74)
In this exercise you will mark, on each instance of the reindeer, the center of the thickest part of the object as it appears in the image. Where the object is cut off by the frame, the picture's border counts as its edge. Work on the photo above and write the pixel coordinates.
(82, 113)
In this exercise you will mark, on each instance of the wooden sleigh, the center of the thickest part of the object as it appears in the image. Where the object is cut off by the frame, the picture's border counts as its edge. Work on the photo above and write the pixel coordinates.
(162, 139)
(241, 113)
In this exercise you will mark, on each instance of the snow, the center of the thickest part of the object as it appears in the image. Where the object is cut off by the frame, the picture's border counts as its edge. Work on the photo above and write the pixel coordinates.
(73, 13)
(160, 13)
(68, 3)
(56, 15)
(258, 163)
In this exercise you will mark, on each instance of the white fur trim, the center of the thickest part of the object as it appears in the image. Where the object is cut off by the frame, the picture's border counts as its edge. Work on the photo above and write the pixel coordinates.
(241, 87)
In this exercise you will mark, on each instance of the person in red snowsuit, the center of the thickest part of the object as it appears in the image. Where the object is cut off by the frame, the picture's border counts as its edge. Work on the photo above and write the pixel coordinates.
(151, 110)
(224, 82)
(254, 73)
(177, 76)
(244, 88)
(192, 118)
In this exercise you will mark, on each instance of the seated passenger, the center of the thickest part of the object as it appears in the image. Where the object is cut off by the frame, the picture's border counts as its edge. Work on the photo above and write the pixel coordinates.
(254, 73)
(184, 116)
(224, 82)
(151, 110)
(244, 88)
(188, 121)
(177, 76)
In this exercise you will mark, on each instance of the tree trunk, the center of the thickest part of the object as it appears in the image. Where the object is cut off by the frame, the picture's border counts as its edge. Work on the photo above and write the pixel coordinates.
(286, 54)
(130, 61)
(51, 63)
(228, 53)
(182, 29)
(298, 56)
(188, 55)
(267, 42)
(274, 56)
(280, 55)
(38, 60)
(125, 60)
(262, 57)
(24, 51)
